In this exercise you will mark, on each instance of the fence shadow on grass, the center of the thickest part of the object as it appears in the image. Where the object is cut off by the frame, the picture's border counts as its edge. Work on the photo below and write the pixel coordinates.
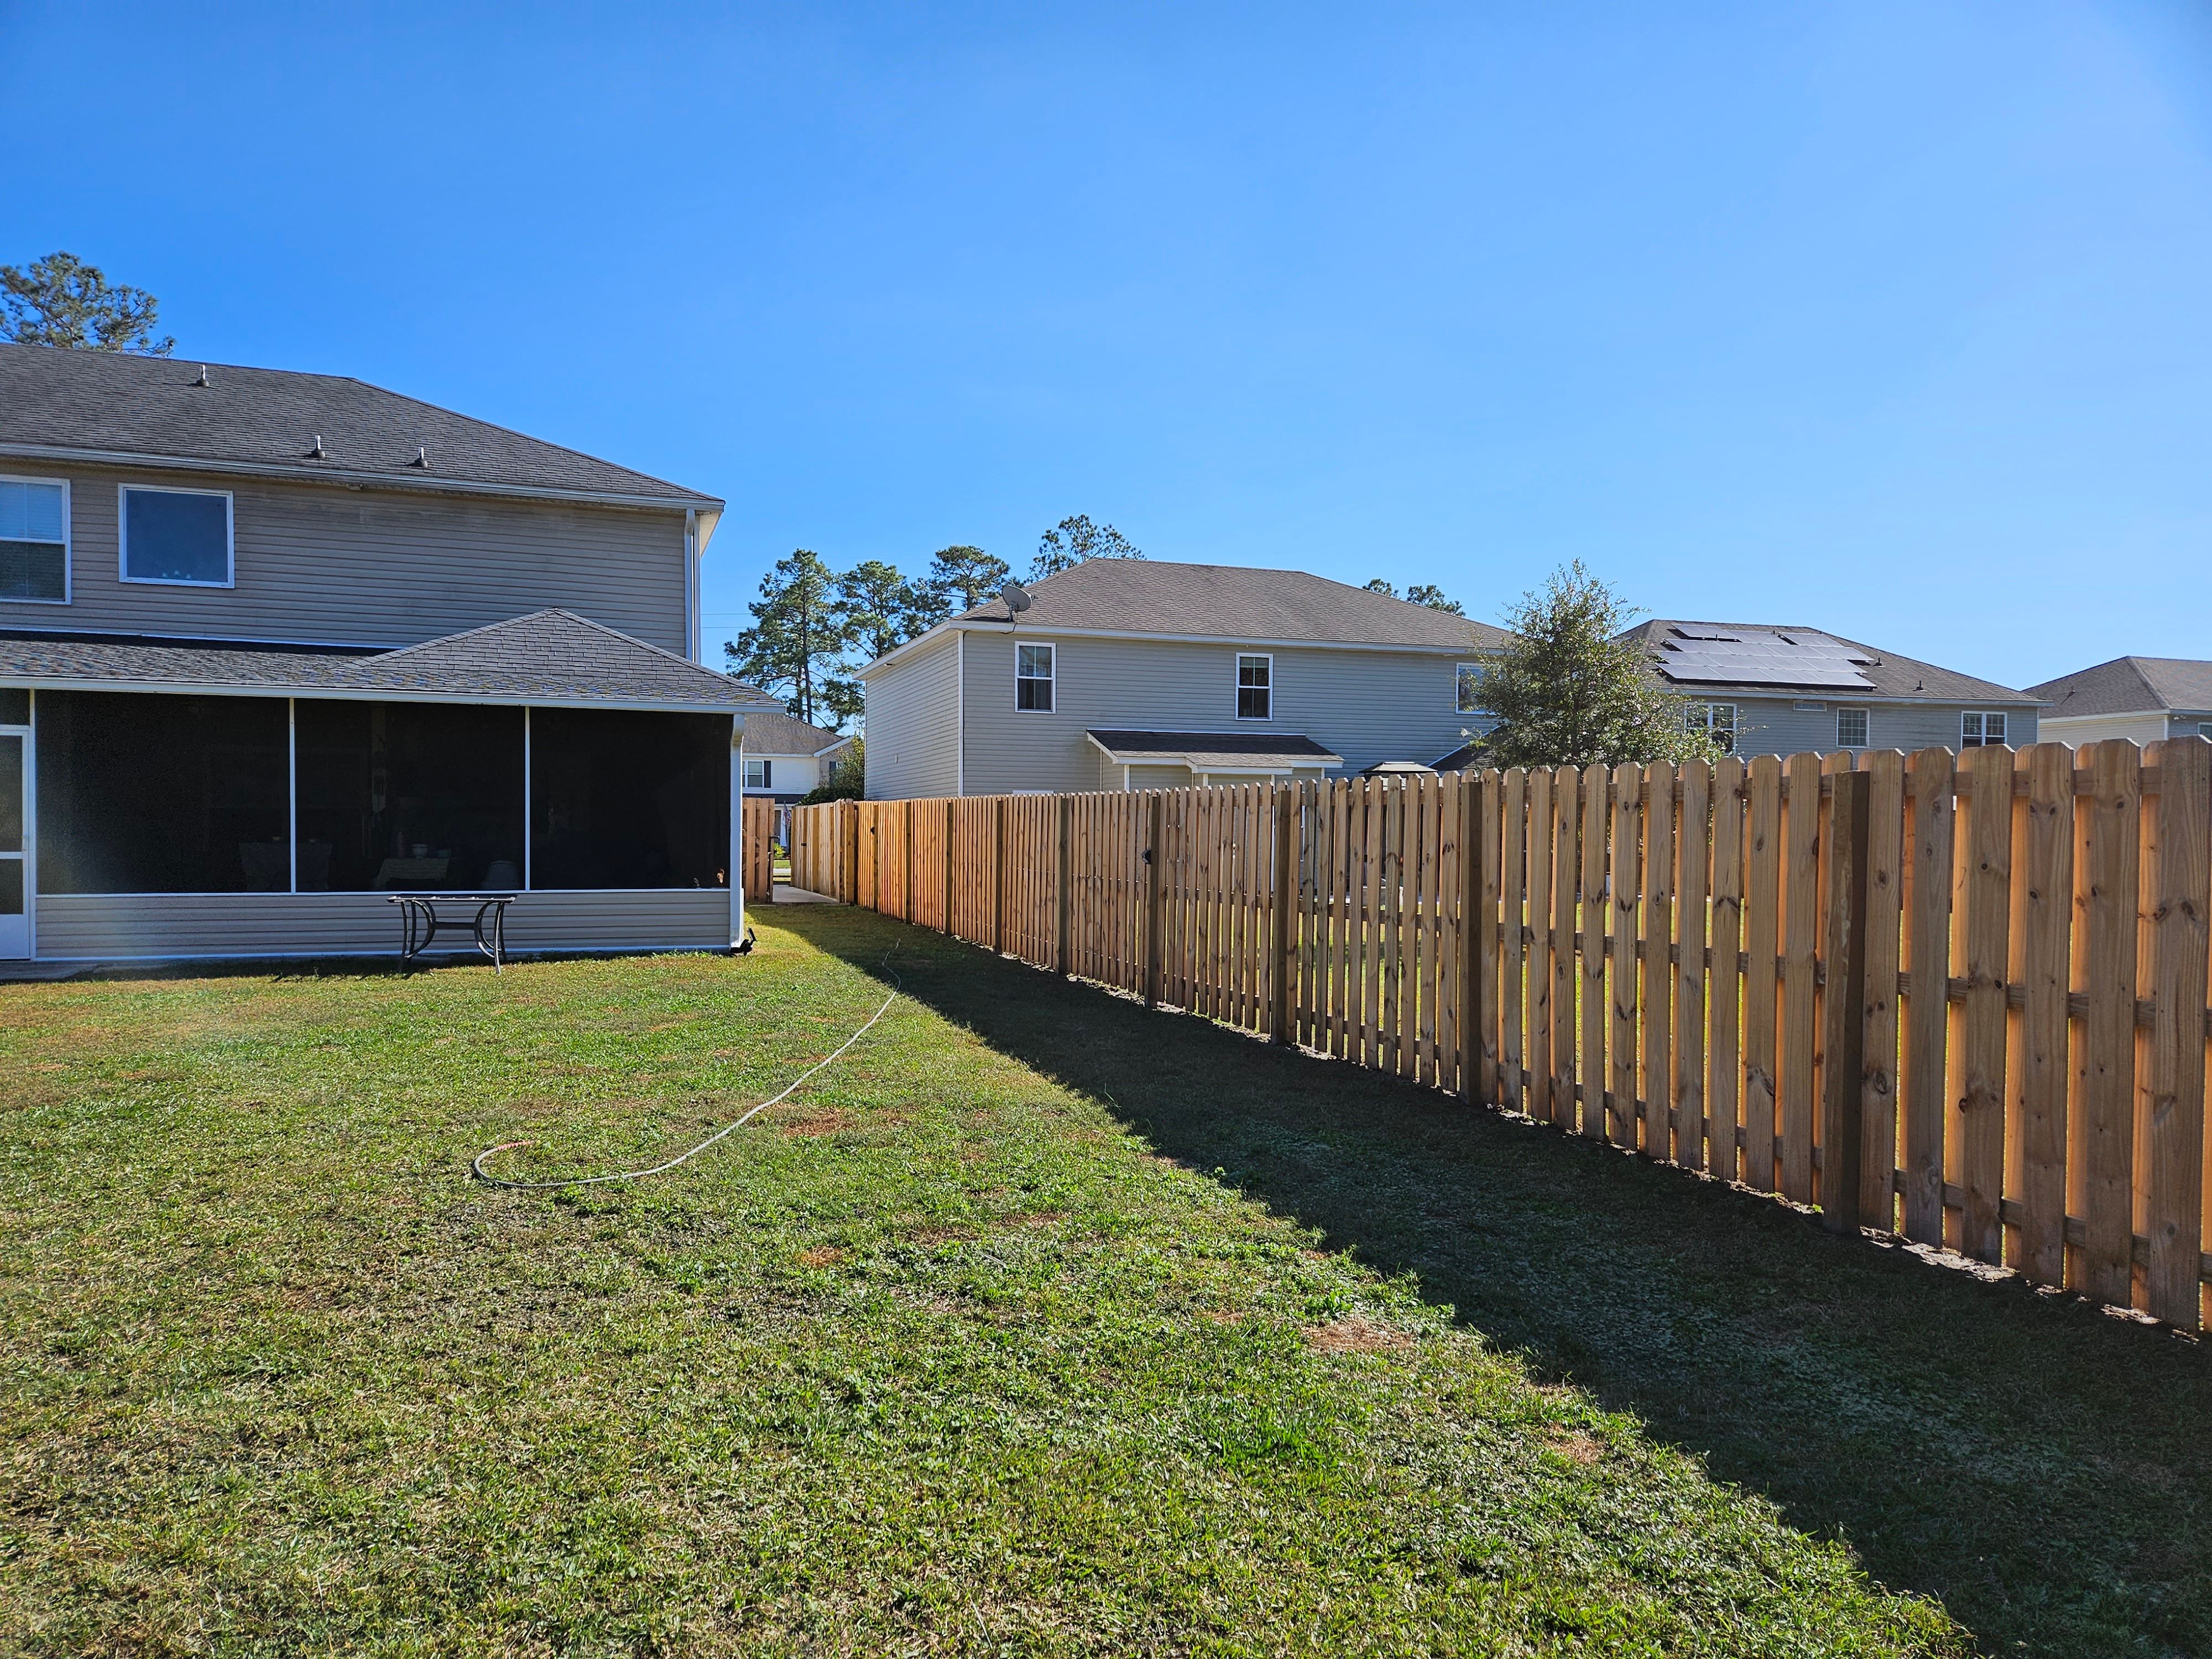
(2042, 1468)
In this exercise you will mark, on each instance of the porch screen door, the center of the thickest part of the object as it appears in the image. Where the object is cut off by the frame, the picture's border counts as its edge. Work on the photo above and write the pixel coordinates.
(15, 874)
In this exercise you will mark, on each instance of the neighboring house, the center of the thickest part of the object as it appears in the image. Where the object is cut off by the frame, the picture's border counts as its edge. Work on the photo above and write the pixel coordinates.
(2146, 698)
(1135, 674)
(786, 759)
(274, 647)
(1765, 689)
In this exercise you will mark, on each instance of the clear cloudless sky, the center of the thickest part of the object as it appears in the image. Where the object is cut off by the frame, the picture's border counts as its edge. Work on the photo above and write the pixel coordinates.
(1884, 316)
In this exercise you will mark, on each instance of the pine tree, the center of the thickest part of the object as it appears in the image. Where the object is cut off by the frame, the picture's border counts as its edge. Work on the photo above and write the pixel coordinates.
(1075, 541)
(60, 300)
(960, 579)
(797, 637)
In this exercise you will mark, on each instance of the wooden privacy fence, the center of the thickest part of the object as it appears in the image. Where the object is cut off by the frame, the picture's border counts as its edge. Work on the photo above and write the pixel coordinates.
(1960, 998)
(759, 853)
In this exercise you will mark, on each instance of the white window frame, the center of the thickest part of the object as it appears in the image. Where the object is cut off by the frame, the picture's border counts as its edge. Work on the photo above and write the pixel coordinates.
(1982, 738)
(1701, 717)
(1239, 688)
(1052, 655)
(2204, 728)
(69, 539)
(1866, 722)
(123, 537)
(1461, 672)
(767, 772)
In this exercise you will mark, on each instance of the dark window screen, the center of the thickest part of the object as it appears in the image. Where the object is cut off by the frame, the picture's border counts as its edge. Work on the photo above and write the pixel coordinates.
(629, 799)
(154, 795)
(409, 795)
(169, 536)
(15, 709)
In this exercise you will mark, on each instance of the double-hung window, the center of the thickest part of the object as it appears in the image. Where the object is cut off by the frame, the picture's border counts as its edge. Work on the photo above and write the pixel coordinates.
(34, 563)
(1717, 721)
(757, 775)
(1978, 730)
(1255, 686)
(180, 536)
(1851, 728)
(1033, 672)
(1469, 682)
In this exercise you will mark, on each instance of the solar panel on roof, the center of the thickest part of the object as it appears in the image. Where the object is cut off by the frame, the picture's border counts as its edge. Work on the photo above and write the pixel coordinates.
(1764, 656)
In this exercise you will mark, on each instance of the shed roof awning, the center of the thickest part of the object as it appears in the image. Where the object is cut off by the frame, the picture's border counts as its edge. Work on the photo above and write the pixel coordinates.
(1215, 751)
(553, 658)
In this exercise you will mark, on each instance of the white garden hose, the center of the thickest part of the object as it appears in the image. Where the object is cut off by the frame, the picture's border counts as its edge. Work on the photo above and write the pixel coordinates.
(477, 1164)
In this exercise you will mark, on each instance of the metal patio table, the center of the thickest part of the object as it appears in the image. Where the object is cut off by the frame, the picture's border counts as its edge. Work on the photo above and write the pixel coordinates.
(419, 923)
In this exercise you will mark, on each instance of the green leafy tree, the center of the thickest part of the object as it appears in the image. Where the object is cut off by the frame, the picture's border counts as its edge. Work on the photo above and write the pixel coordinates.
(960, 579)
(1568, 690)
(1077, 541)
(1388, 590)
(847, 780)
(1430, 594)
(796, 641)
(60, 300)
(882, 609)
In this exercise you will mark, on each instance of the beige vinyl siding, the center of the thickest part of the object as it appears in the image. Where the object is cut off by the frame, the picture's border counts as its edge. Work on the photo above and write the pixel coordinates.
(1779, 726)
(328, 564)
(2097, 728)
(105, 927)
(913, 725)
(1367, 706)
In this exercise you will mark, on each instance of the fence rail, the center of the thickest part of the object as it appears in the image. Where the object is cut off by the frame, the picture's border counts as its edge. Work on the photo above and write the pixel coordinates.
(1960, 998)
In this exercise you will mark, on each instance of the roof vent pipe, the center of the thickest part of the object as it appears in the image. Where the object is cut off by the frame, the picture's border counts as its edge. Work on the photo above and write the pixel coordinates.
(317, 451)
(421, 457)
(203, 379)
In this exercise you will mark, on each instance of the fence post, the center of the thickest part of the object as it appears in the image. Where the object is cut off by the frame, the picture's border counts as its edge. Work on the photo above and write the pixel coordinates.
(1155, 834)
(1286, 929)
(1061, 959)
(1842, 1110)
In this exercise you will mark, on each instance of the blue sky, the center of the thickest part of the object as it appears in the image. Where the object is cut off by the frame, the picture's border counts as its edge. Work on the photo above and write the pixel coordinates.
(1891, 319)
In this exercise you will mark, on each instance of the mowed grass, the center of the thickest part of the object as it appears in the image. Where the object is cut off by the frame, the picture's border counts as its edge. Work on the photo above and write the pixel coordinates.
(1037, 1324)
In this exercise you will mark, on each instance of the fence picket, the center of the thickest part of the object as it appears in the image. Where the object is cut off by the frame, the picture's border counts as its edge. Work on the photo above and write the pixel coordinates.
(1566, 793)
(2173, 1112)
(1543, 827)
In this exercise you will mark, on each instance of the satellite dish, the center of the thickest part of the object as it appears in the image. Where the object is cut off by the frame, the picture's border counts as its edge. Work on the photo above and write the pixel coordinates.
(1016, 596)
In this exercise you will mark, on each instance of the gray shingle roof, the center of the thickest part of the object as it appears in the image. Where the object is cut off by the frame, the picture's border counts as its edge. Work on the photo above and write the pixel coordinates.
(1231, 602)
(1894, 678)
(266, 419)
(780, 734)
(548, 657)
(1226, 749)
(2130, 685)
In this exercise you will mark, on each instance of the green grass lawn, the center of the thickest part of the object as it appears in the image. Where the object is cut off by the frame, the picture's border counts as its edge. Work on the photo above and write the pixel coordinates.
(1038, 1324)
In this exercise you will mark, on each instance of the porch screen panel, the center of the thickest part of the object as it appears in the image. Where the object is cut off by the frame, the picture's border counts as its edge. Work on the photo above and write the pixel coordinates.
(400, 796)
(160, 794)
(624, 800)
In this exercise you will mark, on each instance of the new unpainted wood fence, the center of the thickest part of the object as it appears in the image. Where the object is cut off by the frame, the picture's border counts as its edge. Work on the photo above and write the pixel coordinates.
(1962, 999)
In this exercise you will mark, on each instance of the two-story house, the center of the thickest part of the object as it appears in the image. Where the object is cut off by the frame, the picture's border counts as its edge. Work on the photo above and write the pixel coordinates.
(1763, 688)
(275, 647)
(1138, 674)
(2148, 699)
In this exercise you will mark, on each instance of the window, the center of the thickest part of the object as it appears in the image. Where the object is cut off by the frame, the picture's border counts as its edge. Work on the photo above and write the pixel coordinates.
(758, 774)
(619, 798)
(176, 536)
(1850, 728)
(162, 794)
(34, 541)
(1718, 719)
(2204, 728)
(1256, 688)
(401, 795)
(1978, 729)
(1469, 679)
(1033, 676)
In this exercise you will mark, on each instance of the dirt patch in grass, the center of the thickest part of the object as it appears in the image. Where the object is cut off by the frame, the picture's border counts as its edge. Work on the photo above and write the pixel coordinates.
(817, 1123)
(822, 1255)
(1357, 1334)
(1582, 1450)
